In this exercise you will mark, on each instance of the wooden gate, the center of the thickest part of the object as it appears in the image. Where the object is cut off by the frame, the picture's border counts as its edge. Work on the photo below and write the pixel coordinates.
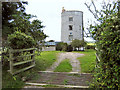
(21, 60)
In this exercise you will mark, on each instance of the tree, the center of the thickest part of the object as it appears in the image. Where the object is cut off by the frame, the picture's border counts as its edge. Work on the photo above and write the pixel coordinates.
(51, 41)
(36, 30)
(61, 46)
(8, 9)
(69, 48)
(16, 19)
(107, 34)
(77, 43)
(19, 40)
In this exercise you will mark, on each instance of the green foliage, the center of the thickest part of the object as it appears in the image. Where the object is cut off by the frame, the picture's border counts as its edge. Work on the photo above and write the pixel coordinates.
(8, 81)
(107, 35)
(64, 66)
(8, 9)
(14, 18)
(90, 47)
(78, 43)
(19, 40)
(22, 23)
(61, 46)
(65, 81)
(18, 81)
(36, 30)
(69, 48)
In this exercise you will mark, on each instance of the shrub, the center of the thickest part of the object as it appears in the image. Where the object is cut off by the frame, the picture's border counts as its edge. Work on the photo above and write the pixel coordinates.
(107, 35)
(90, 47)
(61, 46)
(19, 40)
(69, 48)
(78, 44)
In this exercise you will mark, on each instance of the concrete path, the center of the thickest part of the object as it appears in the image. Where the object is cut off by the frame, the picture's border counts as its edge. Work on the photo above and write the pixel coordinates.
(73, 60)
(62, 78)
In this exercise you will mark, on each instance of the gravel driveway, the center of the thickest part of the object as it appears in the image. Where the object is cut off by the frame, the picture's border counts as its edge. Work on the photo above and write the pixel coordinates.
(73, 60)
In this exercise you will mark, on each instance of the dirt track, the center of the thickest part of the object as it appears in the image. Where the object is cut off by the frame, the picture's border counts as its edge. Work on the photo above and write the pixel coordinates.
(73, 60)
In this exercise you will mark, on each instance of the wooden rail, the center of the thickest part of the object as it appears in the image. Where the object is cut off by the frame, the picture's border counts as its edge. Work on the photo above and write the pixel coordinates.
(97, 58)
(24, 56)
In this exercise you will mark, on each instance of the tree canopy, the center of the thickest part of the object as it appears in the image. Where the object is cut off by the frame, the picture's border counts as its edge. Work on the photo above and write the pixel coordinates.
(61, 46)
(77, 43)
(14, 18)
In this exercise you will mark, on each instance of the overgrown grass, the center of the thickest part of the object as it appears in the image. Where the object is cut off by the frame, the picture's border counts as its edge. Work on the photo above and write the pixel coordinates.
(64, 66)
(16, 81)
(87, 62)
(9, 81)
(45, 60)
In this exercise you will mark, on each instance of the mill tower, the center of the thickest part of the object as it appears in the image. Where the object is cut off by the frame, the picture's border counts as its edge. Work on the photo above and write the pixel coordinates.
(71, 25)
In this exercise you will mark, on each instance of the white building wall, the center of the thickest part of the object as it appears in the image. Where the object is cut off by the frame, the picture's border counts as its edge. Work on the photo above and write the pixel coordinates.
(53, 48)
(77, 30)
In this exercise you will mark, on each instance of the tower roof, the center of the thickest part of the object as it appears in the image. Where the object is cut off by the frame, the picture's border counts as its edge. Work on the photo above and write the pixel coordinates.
(63, 10)
(73, 11)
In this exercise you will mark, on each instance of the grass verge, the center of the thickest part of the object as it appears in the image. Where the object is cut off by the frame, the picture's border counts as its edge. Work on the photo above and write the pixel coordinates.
(87, 61)
(64, 66)
(45, 60)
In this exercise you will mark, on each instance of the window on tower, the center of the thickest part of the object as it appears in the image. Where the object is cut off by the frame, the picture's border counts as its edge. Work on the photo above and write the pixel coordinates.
(70, 27)
(70, 18)
(70, 37)
(70, 33)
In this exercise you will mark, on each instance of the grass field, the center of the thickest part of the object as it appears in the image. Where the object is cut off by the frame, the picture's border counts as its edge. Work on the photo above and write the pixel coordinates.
(45, 59)
(87, 61)
(64, 66)
(91, 44)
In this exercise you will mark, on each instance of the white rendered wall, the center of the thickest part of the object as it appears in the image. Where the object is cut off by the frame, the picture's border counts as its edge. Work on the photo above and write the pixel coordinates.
(51, 48)
(77, 30)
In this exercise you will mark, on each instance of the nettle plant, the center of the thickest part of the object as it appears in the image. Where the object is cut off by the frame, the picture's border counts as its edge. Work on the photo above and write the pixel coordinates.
(19, 40)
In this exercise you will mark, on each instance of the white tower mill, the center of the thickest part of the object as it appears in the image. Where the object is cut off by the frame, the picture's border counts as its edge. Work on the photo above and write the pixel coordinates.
(71, 25)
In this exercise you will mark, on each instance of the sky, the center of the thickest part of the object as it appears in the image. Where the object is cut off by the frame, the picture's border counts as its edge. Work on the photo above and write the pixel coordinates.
(49, 12)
